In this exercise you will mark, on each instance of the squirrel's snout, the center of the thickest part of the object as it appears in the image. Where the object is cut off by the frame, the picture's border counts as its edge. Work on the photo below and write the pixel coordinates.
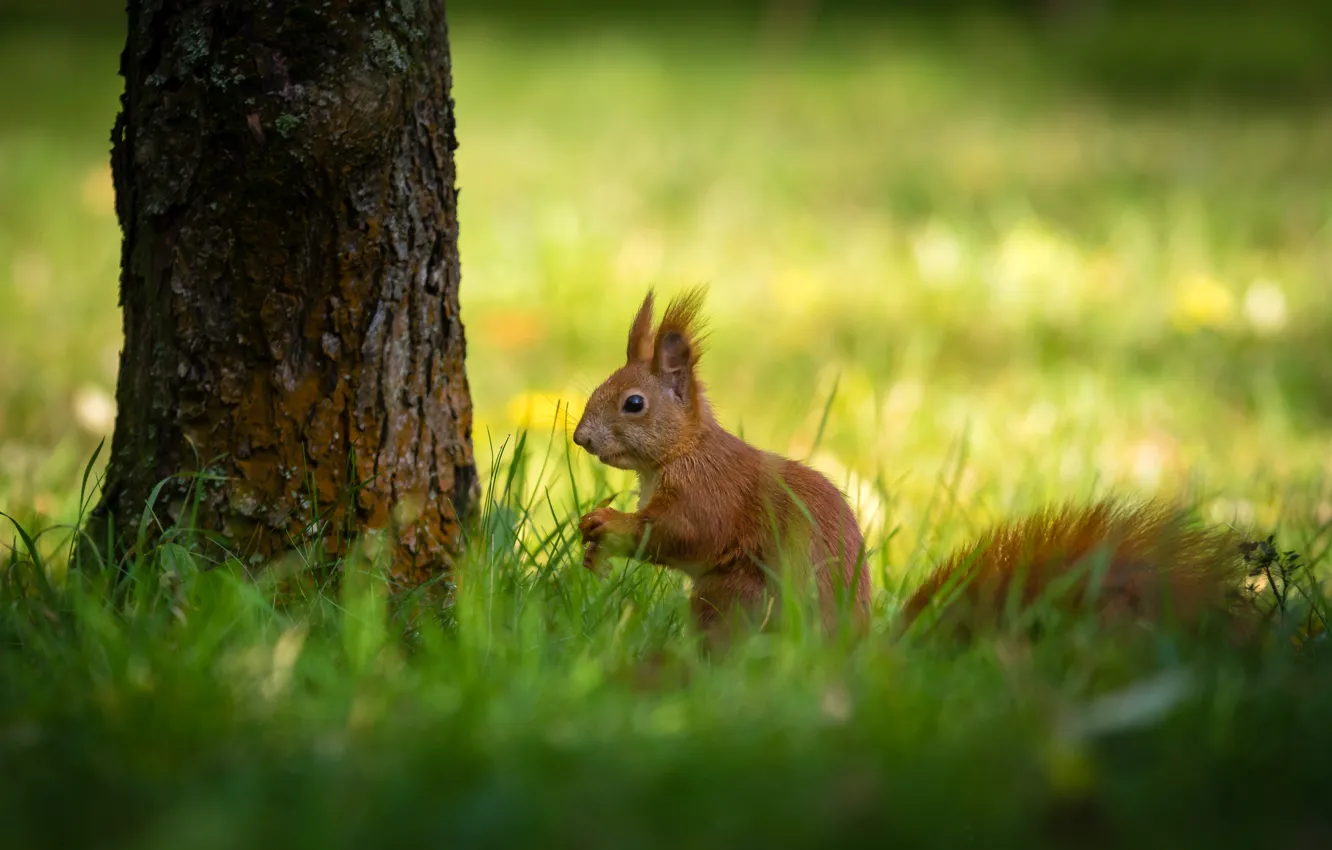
(582, 438)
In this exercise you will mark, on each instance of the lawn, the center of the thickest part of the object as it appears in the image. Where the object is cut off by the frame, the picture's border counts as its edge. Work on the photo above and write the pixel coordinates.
(956, 278)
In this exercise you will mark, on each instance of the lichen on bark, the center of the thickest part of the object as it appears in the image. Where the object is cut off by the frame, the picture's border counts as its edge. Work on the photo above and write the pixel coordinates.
(286, 188)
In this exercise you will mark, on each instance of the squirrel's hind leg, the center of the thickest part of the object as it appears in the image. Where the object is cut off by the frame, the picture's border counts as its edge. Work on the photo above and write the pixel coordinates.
(727, 600)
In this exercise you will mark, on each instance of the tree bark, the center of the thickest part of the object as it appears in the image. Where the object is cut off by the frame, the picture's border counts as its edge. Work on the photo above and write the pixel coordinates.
(284, 181)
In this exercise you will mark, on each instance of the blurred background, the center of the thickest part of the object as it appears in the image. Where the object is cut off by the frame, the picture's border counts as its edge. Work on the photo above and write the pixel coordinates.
(1038, 248)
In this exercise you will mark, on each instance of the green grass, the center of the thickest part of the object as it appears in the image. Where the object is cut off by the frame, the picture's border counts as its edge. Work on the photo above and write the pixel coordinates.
(183, 706)
(1021, 289)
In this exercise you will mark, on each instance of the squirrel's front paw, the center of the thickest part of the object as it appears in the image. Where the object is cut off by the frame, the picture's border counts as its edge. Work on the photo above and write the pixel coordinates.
(591, 527)
(595, 528)
(594, 559)
(594, 524)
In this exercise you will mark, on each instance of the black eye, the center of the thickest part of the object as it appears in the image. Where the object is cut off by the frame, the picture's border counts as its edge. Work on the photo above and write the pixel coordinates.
(634, 404)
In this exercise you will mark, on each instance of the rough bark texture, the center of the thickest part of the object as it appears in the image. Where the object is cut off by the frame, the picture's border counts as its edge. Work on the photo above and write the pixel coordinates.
(285, 184)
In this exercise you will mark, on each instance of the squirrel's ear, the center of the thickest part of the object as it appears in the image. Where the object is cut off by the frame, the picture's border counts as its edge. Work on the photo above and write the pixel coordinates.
(673, 364)
(675, 354)
(640, 333)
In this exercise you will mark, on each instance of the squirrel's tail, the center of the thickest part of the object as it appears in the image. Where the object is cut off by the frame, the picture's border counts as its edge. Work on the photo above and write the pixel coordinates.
(1145, 562)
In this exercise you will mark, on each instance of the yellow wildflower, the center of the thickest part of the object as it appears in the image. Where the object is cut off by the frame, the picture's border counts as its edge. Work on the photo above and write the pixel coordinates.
(1201, 301)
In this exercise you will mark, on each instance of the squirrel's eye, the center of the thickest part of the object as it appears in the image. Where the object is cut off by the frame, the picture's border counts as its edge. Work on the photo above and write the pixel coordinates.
(634, 404)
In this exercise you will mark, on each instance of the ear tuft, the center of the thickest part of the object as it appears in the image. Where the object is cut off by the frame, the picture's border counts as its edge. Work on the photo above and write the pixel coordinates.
(640, 333)
(678, 345)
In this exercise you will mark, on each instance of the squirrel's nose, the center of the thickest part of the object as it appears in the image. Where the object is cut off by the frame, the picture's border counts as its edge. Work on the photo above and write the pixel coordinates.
(582, 438)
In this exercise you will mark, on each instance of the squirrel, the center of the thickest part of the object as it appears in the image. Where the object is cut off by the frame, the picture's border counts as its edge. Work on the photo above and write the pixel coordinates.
(720, 510)
(710, 504)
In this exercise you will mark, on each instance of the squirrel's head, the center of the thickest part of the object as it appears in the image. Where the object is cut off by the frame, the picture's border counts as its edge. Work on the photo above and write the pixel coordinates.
(651, 408)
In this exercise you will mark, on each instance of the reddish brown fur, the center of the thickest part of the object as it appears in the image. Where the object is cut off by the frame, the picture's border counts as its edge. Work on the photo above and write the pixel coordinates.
(710, 504)
(1148, 556)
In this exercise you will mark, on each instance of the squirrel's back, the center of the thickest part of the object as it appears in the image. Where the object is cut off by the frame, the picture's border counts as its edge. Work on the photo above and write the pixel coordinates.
(1147, 560)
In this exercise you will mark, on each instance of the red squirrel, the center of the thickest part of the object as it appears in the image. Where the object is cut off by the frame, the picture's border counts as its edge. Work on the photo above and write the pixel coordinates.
(710, 504)
(719, 509)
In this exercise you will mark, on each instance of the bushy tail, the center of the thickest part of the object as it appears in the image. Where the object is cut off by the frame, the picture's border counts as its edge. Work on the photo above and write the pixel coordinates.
(1145, 561)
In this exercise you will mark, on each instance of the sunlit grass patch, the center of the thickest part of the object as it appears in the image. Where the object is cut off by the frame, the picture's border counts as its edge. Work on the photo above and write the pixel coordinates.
(905, 218)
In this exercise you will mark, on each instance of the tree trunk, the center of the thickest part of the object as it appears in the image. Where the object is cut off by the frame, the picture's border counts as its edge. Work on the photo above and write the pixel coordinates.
(289, 278)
